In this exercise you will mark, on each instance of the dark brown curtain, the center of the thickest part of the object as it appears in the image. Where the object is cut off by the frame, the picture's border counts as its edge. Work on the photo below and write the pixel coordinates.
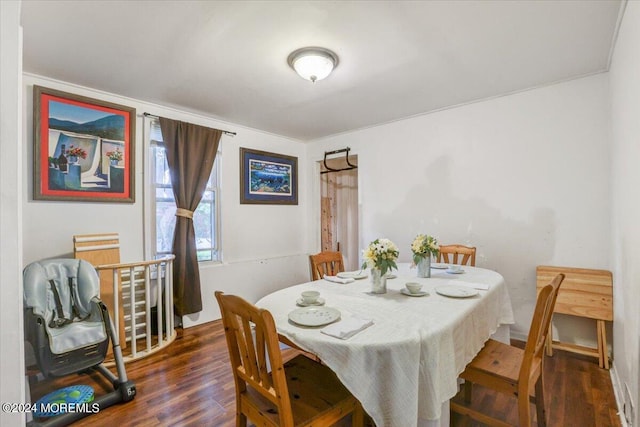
(191, 151)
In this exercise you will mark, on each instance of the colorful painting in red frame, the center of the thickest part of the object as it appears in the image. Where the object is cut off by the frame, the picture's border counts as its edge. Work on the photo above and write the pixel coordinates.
(83, 148)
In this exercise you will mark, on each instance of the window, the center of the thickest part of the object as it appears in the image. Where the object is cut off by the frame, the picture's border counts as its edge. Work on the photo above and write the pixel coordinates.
(162, 206)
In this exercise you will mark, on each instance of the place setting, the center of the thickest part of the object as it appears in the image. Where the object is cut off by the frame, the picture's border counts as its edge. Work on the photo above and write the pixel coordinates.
(313, 313)
(413, 289)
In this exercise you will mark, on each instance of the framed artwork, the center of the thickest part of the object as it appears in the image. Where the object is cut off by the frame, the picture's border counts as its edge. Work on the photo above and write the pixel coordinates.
(268, 178)
(83, 148)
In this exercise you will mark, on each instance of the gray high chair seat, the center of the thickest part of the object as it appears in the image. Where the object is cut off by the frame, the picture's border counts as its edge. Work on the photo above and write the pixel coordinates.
(69, 328)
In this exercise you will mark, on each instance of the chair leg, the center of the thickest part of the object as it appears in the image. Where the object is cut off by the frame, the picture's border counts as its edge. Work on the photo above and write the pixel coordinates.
(468, 389)
(548, 343)
(540, 408)
(524, 407)
(357, 418)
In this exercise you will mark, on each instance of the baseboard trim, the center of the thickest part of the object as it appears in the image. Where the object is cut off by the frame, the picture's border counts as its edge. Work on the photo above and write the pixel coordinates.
(617, 391)
(518, 336)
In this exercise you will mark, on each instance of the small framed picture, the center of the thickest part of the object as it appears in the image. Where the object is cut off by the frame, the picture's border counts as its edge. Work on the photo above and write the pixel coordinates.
(83, 148)
(268, 178)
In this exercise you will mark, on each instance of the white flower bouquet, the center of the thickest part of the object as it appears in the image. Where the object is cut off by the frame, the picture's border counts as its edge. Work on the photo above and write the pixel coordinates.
(424, 246)
(382, 254)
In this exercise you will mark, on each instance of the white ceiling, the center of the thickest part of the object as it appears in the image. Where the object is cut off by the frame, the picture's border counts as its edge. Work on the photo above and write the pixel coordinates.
(228, 59)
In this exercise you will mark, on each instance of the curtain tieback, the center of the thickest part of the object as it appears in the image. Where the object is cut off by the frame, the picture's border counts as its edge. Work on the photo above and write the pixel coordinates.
(184, 213)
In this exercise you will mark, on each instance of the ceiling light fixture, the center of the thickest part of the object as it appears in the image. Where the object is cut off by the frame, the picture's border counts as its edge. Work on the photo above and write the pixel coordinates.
(313, 63)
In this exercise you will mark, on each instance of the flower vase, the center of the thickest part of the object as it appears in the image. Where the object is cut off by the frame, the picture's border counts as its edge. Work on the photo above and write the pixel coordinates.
(114, 162)
(424, 266)
(378, 281)
(73, 160)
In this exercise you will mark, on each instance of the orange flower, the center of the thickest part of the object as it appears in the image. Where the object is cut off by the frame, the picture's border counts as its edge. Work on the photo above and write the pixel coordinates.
(76, 151)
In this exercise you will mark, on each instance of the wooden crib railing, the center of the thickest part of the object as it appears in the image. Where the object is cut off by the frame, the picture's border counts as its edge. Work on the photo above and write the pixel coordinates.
(143, 300)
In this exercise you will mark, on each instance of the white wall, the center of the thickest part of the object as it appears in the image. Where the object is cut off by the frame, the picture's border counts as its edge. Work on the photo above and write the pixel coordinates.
(264, 247)
(11, 161)
(524, 178)
(625, 108)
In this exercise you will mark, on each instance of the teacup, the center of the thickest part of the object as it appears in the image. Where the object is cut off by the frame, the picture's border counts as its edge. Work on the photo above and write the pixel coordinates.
(455, 267)
(310, 297)
(413, 287)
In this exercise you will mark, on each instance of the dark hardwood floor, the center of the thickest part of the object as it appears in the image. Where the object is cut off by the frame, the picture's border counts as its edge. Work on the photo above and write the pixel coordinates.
(577, 393)
(190, 384)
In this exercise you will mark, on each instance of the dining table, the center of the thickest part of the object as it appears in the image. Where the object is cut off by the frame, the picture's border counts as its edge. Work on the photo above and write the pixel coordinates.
(398, 353)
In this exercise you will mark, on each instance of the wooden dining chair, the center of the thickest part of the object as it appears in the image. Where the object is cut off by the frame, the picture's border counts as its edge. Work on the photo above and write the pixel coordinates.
(300, 392)
(512, 370)
(457, 254)
(329, 263)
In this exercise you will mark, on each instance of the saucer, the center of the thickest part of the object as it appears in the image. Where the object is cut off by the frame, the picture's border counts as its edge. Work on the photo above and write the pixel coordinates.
(417, 294)
(454, 272)
(301, 303)
(391, 276)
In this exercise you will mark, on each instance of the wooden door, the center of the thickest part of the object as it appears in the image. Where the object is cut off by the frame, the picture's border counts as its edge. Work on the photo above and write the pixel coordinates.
(339, 211)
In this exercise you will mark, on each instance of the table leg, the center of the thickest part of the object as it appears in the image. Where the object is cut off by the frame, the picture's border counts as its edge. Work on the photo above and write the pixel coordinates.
(603, 350)
(549, 341)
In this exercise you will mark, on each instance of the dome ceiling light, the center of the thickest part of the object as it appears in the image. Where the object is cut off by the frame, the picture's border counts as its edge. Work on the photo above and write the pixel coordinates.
(313, 63)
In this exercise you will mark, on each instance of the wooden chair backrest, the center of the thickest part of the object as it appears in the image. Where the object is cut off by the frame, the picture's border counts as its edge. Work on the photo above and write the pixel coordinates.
(585, 292)
(457, 254)
(535, 346)
(329, 263)
(252, 340)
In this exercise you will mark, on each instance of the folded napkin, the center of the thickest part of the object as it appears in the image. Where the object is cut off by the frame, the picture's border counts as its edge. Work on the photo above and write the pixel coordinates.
(347, 327)
(337, 279)
(479, 286)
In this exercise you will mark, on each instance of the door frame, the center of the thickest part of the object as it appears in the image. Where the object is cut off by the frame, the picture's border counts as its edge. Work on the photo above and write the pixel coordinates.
(315, 241)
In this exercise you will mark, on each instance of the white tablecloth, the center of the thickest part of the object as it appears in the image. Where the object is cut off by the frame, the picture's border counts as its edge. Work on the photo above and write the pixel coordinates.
(405, 366)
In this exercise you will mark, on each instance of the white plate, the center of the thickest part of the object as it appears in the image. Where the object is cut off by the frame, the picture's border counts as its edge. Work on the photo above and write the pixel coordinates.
(314, 316)
(301, 303)
(352, 275)
(417, 294)
(390, 276)
(439, 265)
(456, 291)
(455, 271)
